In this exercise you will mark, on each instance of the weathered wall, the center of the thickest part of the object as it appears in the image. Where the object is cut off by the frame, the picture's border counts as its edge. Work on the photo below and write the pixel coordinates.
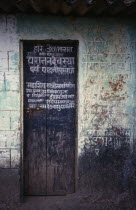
(9, 112)
(106, 89)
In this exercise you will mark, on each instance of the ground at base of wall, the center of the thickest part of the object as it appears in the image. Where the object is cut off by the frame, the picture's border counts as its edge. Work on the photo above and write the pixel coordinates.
(93, 198)
(9, 189)
(81, 201)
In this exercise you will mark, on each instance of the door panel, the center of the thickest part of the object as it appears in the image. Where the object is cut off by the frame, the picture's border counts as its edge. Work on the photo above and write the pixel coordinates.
(35, 152)
(50, 74)
(60, 163)
(61, 133)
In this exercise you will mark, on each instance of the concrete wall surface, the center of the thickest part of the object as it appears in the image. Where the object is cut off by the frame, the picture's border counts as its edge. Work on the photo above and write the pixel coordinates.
(106, 97)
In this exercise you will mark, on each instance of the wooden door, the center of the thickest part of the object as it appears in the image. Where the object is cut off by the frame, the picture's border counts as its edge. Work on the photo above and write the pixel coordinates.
(50, 78)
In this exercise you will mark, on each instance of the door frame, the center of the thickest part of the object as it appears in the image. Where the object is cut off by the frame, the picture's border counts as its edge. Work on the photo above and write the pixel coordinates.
(21, 69)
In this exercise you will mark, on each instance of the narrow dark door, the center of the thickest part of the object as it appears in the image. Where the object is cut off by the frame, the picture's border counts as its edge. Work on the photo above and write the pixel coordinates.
(50, 73)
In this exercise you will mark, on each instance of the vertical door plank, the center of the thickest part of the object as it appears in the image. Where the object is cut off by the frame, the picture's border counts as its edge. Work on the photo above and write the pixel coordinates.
(34, 123)
(61, 115)
(35, 153)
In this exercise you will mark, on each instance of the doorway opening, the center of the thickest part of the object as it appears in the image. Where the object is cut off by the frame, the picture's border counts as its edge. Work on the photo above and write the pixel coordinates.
(49, 124)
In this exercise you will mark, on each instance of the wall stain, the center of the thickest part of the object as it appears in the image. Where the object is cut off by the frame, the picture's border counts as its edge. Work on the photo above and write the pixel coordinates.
(107, 162)
(118, 85)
